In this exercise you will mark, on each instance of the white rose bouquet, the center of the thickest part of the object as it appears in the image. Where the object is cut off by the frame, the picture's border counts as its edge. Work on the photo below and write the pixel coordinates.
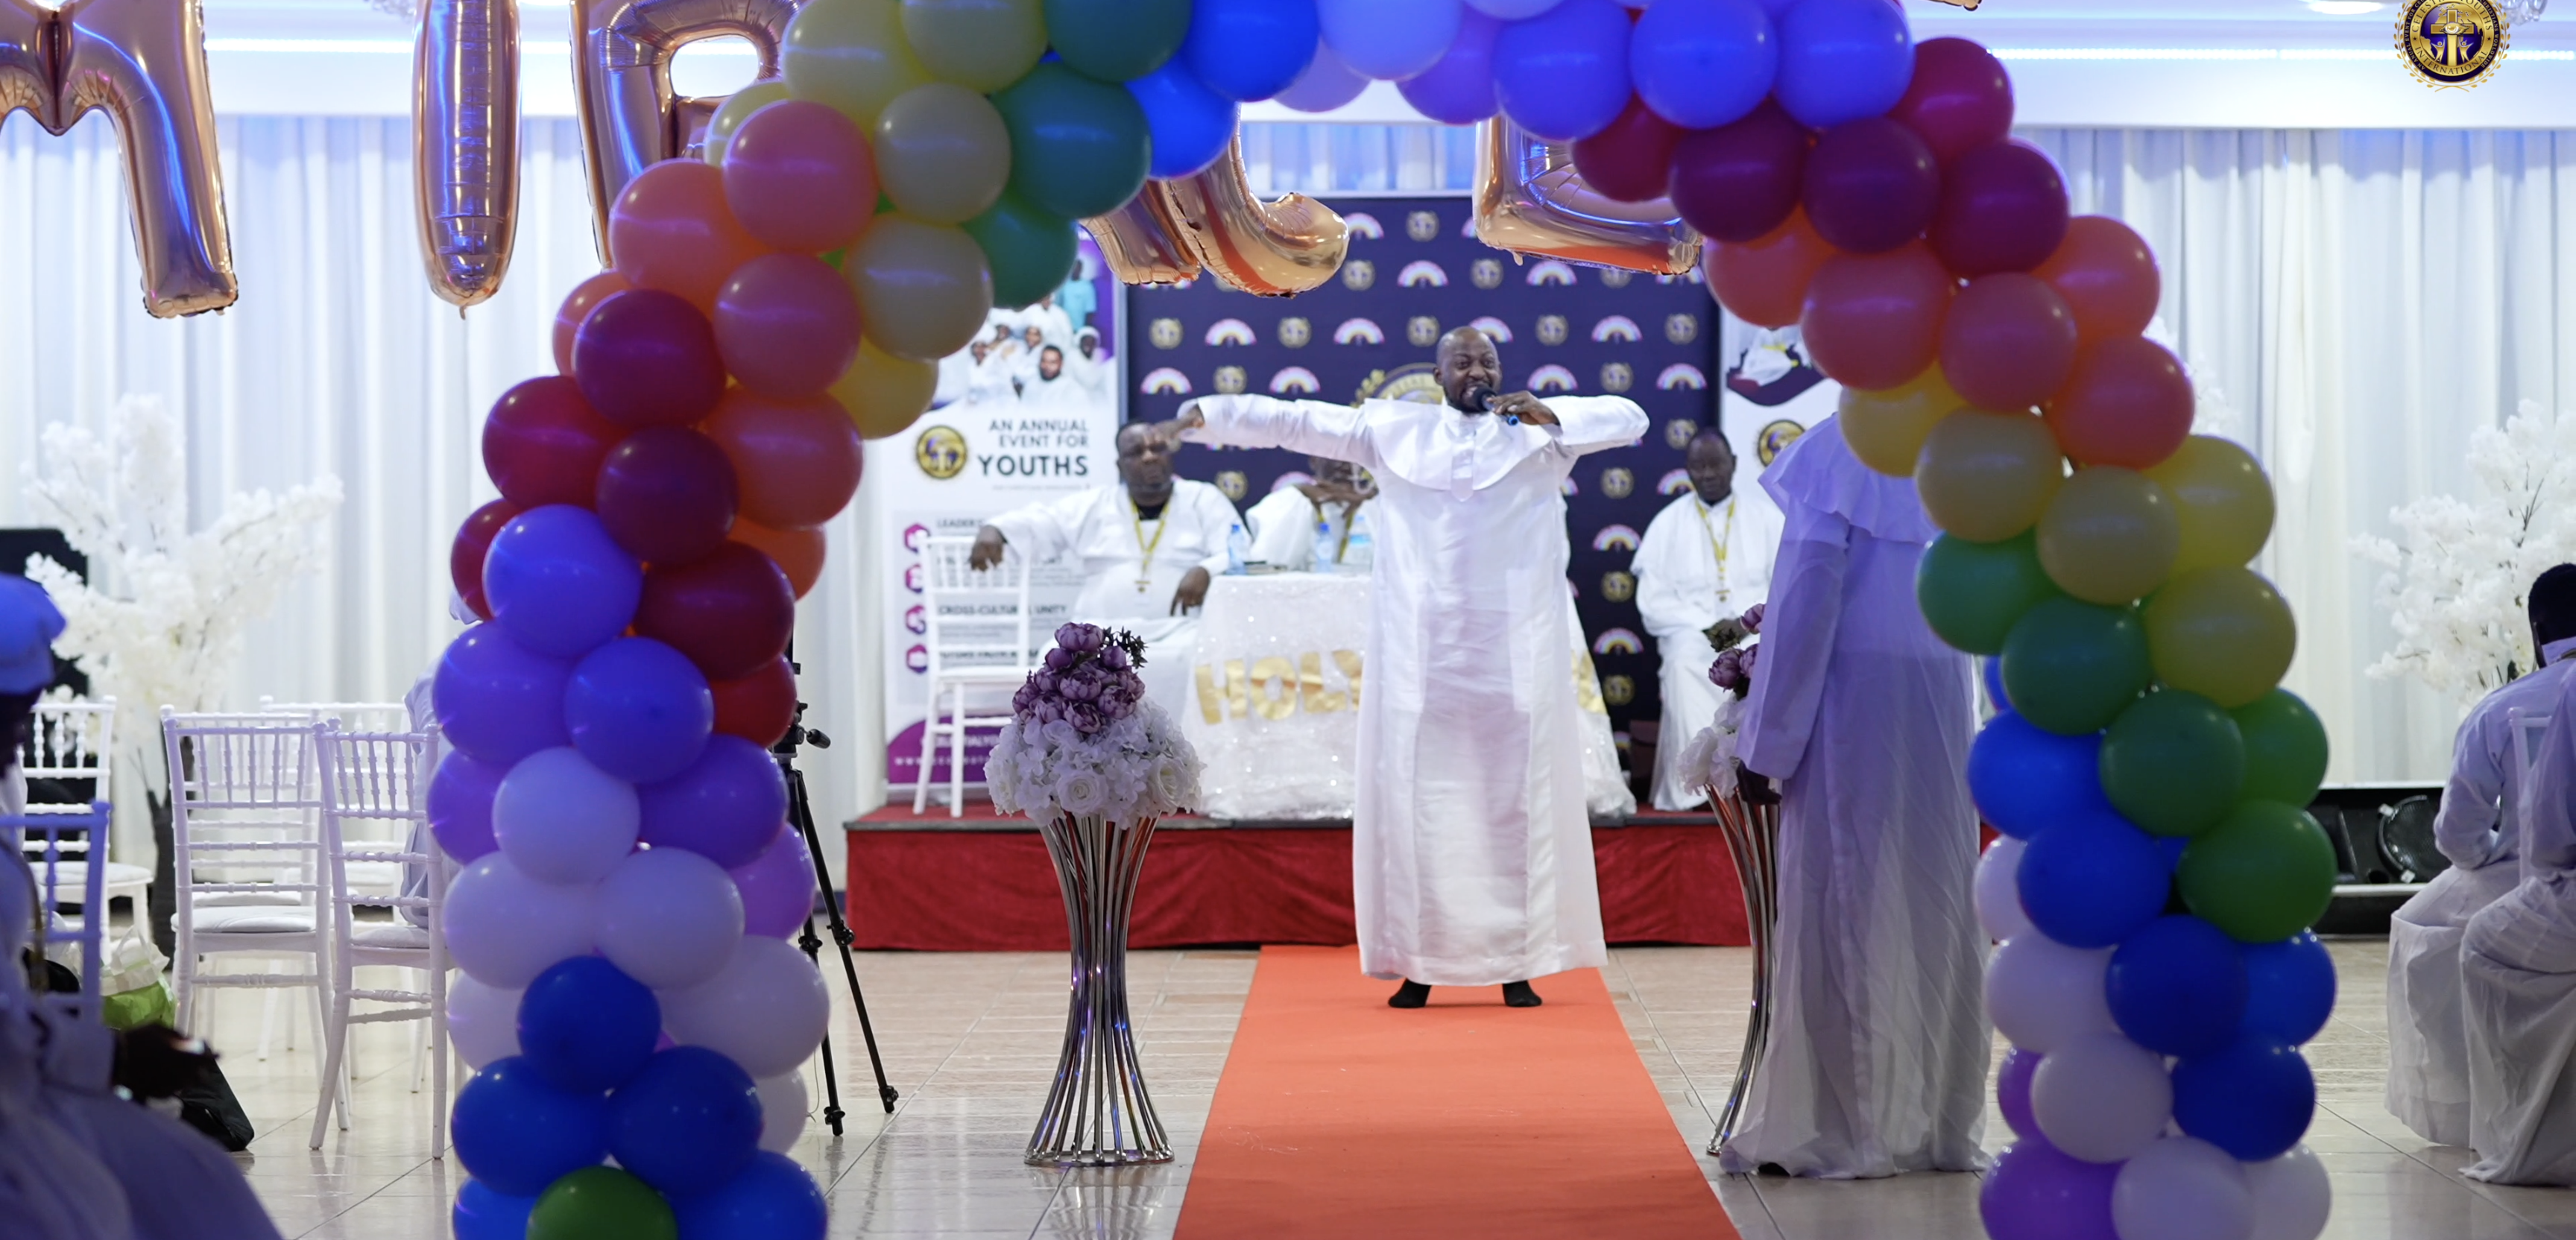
(1083, 739)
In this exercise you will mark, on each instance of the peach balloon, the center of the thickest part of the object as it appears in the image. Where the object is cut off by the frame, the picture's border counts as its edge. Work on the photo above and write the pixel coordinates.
(883, 393)
(799, 176)
(1764, 281)
(798, 553)
(671, 230)
(2128, 403)
(2107, 275)
(2009, 342)
(787, 324)
(585, 295)
(1874, 320)
(797, 460)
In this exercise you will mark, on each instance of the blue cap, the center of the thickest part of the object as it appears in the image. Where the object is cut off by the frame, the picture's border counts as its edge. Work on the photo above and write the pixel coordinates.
(28, 626)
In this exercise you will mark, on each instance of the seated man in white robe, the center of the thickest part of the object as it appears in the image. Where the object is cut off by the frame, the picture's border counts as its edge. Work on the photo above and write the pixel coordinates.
(2479, 831)
(1148, 545)
(1706, 557)
(1317, 526)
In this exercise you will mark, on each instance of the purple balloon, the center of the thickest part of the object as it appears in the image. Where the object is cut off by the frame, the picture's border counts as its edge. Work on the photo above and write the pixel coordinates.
(1738, 182)
(1871, 185)
(645, 357)
(2003, 208)
(727, 807)
(498, 701)
(667, 494)
(460, 806)
(1460, 89)
(2037, 1192)
(558, 584)
(2012, 1091)
(1563, 75)
(639, 710)
(1326, 84)
(777, 887)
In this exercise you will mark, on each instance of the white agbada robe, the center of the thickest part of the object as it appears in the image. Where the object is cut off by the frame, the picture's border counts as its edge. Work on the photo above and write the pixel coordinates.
(1878, 1049)
(2518, 984)
(1286, 527)
(1682, 588)
(1471, 849)
(1101, 530)
(2478, 830)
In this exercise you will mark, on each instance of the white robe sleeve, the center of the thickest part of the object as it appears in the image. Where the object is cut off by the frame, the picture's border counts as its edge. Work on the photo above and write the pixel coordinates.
(1797, 643)
(1595, 423)
(1044, 531)
(1215, 518)
(1336, 432)
(1283, 529)
(2549, 811)
(2466, 829)
(1667, 595)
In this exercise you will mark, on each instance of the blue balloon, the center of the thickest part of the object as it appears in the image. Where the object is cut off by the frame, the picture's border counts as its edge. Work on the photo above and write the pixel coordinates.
(688, 1123)
(497, 700)
(2093, 881)
(773, 1199)
(587, 1026)
(1460, 89)
(1251, 49)
(1191, 124)
(2293, 988)
(639, 710)
(2253, 1099)
(1703, 63)
(1563, 75)
(1993, 669)
(2177, 987)
(558, 583)
(2026, 778)
(727, 807)
(481, 1214)
(1842, 60)
(517, 1133)
(1389, 40)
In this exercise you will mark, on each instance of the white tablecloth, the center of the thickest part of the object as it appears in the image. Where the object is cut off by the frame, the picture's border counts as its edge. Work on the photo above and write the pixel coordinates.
(1271, 700)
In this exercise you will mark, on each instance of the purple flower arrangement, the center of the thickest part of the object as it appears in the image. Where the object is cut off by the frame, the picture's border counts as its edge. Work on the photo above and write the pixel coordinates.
(1088, 680)
(1733, 670)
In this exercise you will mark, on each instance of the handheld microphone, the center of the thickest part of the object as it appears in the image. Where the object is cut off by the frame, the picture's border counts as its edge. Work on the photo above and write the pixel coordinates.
(1481, 399)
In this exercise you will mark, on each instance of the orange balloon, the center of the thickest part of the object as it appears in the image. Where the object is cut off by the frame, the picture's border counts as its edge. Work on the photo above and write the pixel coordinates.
(672, 230)
(577, 307)
(2107, 275)
(1874, 320)
(2009, 342)
(1764, 281)
(798, 553)
(2129, 404)
(797, 461)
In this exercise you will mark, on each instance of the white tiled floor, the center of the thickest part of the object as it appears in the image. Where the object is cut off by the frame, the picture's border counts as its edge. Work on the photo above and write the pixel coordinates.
(971, 1041)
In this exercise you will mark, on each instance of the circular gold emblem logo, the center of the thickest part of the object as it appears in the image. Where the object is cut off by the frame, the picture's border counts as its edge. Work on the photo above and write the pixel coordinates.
(1617, 482)
(1422, 225)
(1776, 438)
(1618, 587)
(1229, 380)
(1231, 485)
(941, 452)
(1618, 690)
(1616, 277)
(1486, 273)
(1551, 329)
(1423, 330)
(1413, 381)
(1679, 432)
(1165, 333)
(1615, 376)
(2452, 43)
(1681, 328)
(1358, 274)
(1294, 333)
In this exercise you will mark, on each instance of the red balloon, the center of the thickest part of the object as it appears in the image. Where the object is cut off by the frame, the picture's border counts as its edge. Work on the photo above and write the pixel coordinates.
(2009, 342)
(799, 176)
(645, 357)
(798, 552)
(543, 443)
(2107, 275)
(1632, 160)
(1874, 320)
(1737, 182)
(667, 495)
(1871, 186)
(2003, 208)
(1960, 97)
(465, 557)
(798, 461)
(759, 707)
(585, 296)
(2128, 404)
(730, 612)
(787, 324)
(1764, 281)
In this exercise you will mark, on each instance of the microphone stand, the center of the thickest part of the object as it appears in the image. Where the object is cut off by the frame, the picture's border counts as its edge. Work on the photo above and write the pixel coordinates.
(800, 816)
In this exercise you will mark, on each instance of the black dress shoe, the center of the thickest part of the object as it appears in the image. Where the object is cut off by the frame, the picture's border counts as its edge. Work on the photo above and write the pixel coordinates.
(1519, 994)
(1410, 995)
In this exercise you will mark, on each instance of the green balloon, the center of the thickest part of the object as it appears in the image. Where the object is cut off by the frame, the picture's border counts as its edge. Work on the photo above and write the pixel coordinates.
(1117, 40)
(2264, 874)
(1079, 147)
(2173, 763)
(2285, 748)
(2071, 667)
(601, 1203)
(1029, 250)
(1972, 592)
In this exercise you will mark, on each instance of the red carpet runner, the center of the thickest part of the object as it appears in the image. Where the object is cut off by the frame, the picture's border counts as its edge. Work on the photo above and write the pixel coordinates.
(1339, 1117)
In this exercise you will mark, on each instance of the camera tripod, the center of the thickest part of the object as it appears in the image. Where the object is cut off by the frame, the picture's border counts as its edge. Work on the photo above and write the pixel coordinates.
(800, 817)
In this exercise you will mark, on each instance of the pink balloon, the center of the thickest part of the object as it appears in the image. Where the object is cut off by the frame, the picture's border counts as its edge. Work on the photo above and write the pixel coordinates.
(2008, 343)
(800, 177)
(787, 324)
(672, 230)
(777, 887)
(2003, 208)
(1959, 98)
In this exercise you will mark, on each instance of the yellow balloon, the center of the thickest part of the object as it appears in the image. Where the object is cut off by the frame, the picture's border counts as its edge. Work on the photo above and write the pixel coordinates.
(2224, 501)
(1885, 428)
(2109, 535)
(883, 393)
(2222, 633)
(1987, 476)
(738, 108)
(984, 44)
(924, 288)
(943, 153)
(850, 54)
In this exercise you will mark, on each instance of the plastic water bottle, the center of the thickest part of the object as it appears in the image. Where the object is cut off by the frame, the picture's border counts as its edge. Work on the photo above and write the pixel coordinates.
(1237, 545)
(1356, 553)
(1327, 547)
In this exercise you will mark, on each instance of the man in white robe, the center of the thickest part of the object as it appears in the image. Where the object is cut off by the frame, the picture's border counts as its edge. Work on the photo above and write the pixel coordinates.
(1706, 557)
(1050, 387)
(1088, 367)
(1148, 545)
(2479, 831)
(1878, 1050)
(1317, 526)
(1471, 850)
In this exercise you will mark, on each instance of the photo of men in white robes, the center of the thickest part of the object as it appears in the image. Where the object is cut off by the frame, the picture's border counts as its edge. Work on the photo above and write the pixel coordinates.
(1706, 557)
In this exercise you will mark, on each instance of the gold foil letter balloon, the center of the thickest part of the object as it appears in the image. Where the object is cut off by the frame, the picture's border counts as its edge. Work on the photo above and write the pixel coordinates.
(1143, 243)
(465, 143)
(621, 66)
(1530, 200)
(1275, 249)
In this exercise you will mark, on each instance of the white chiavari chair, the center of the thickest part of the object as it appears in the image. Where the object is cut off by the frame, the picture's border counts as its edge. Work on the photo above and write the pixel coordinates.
(70, 754)
(245, 815)
(379, 781)
(976, 634)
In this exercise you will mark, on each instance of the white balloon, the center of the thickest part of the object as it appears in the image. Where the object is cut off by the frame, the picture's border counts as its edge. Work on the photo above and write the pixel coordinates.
(1326, 84)
(483, 1021)
(2043, 994)
(2291, 1196)
(669, 917)
(782, 1111)
(1998, 893)
(562, 820)
(2101, 1098)
(766, 1009)
(2182, 1188)
(1514, 10)
(504, 928)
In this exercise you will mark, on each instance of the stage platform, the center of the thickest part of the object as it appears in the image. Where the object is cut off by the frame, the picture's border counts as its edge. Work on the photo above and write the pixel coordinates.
(982, 882)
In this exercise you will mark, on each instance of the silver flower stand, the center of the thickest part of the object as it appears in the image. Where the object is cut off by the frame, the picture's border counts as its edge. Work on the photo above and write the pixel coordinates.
(1098, 1113)
(1753, 839)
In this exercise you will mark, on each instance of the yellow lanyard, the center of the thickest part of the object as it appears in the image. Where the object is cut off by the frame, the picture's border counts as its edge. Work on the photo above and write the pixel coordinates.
(1350, 517)
(1717, 542)
(1145, 572)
